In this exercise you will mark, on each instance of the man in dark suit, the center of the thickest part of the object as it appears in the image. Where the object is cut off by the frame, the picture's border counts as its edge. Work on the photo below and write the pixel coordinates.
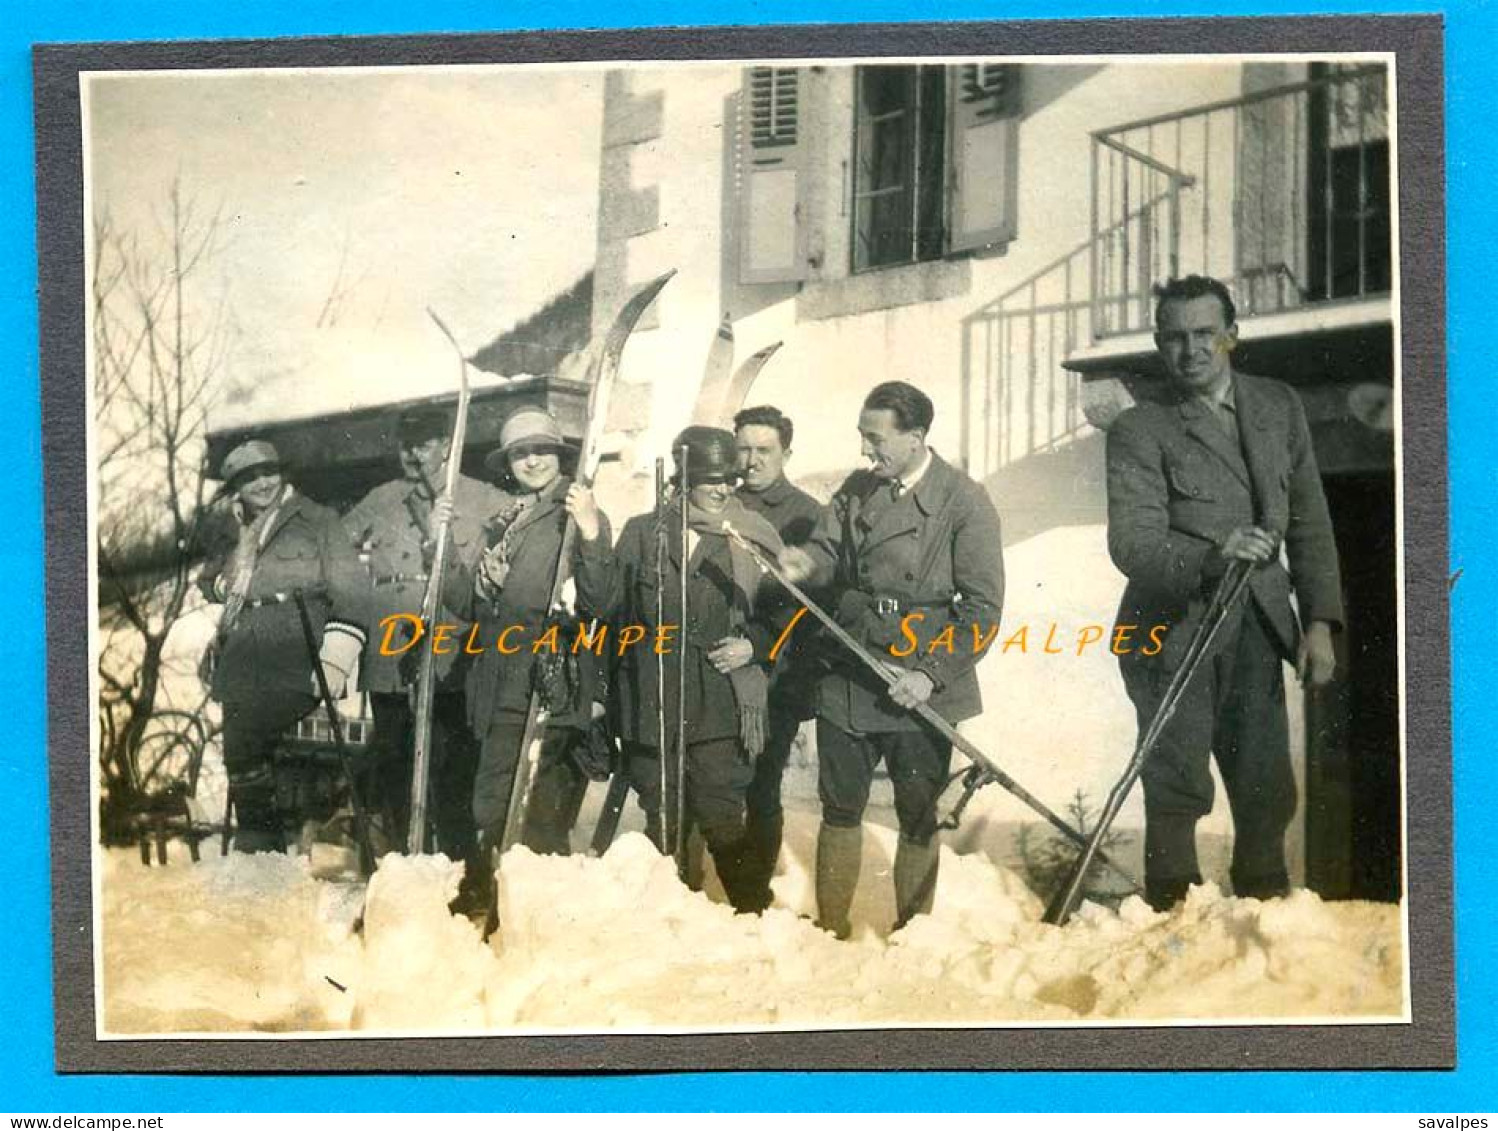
(910, 551)
(1220, 468)
(764, 436)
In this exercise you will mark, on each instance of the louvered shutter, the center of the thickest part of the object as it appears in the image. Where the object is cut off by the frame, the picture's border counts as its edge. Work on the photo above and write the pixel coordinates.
(772, 236)
(984, 154)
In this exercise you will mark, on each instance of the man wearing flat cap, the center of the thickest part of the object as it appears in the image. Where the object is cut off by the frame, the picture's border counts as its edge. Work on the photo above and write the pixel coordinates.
(258, 668)
(393, 529)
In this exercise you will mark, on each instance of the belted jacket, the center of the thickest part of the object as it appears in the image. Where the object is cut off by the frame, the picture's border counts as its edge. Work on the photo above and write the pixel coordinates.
(919, 581)
(264, 651)
(390, 529)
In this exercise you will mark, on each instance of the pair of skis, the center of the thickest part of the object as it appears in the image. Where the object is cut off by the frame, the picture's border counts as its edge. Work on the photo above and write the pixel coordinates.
(724, 389)
(722, 393)
(603, 374)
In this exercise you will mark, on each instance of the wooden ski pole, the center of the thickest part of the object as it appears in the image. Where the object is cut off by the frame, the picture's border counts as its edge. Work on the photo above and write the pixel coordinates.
(661, 729)
(683, 488)
(1227, 594)
(925, 711)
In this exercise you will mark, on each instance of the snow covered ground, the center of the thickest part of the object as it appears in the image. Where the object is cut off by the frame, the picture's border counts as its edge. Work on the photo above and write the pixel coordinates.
(257, 944)
(619, 945)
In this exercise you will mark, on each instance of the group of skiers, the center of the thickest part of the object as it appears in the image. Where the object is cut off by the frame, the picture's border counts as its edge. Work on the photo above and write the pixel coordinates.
(911, 534)
(1216, 517)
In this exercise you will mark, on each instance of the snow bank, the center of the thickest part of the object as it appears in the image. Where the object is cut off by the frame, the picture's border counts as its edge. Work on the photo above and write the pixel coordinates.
(618, 944)
(234, 943)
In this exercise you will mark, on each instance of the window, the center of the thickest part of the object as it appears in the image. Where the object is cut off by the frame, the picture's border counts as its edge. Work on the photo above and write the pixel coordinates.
(933, 159)
(931, 169)
(899, 158)
(1350, 189)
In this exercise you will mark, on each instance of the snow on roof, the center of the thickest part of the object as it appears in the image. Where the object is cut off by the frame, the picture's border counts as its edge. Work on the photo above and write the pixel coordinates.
(346, 371)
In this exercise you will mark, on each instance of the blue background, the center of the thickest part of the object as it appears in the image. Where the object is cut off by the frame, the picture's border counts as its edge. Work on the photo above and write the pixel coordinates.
(27, 1080)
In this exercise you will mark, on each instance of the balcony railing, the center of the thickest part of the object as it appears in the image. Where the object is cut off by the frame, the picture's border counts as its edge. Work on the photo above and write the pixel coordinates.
(1014, 387)
(1283, 193)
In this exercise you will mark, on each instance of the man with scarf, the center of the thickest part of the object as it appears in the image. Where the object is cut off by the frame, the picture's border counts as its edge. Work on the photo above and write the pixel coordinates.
(392, 529)
(723, 640)
(258, 666)
(909, 548)
(511, 586)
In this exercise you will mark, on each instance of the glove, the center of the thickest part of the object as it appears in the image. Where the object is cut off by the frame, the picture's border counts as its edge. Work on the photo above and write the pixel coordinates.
(339, 657)
(337, 682)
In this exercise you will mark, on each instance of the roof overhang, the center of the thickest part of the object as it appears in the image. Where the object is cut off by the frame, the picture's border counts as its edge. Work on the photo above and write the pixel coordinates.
(336, 457)
(1293, 345)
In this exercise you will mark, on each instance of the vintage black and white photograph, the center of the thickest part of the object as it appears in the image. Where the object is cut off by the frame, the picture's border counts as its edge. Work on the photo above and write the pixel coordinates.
(745, 545)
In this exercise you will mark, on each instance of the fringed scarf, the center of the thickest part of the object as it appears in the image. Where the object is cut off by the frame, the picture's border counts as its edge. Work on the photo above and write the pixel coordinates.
(751, 684)
(241, 567)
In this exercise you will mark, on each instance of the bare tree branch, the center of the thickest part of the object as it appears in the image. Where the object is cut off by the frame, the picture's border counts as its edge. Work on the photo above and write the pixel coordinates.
(163, 339)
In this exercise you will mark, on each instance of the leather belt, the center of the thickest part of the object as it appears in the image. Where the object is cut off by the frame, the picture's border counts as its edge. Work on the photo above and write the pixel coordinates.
(400, 578)
(891, 606)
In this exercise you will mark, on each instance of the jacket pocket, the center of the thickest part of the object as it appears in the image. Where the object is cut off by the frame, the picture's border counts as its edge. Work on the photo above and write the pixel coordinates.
(1189, 483)
(292, 548)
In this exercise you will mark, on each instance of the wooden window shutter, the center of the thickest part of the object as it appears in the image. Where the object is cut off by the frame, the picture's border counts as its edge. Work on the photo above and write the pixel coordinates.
(772, 175)
(984, 154)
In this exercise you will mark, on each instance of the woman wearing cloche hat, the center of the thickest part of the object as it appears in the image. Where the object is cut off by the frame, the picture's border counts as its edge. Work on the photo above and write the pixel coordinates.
(511, 586)
(259, 668)
(724, 639)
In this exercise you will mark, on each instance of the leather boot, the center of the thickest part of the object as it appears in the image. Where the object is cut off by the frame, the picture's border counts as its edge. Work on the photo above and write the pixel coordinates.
(257, 820)
(1275, 885)
(839, 855)
(1162, 895)
(476, 888)
(732, 861)
(695, 862)
(915, 879)
(764, 851)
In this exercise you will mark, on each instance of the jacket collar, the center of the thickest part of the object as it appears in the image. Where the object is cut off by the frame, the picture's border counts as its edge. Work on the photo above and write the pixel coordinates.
(883, 518)
(775, 495)
(1200, 422)
(933, 486)
(547, 502)
(290, 506)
